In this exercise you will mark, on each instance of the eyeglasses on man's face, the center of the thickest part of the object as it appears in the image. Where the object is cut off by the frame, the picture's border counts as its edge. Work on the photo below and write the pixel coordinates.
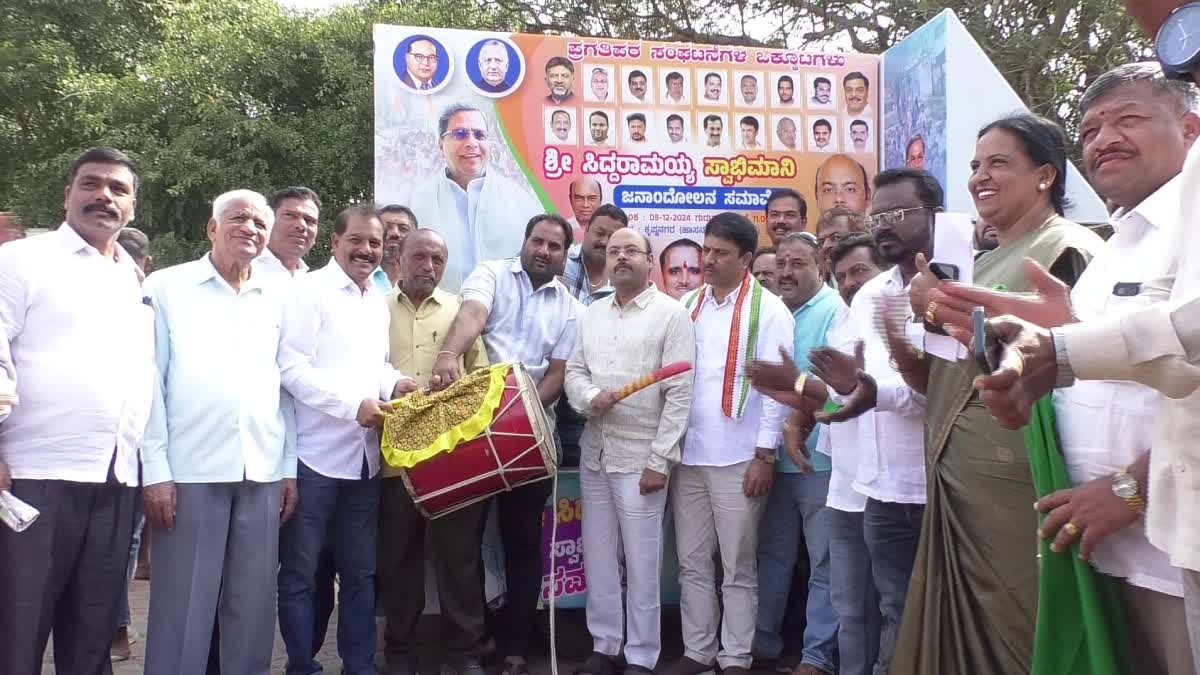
(891, 217)
(627, 251)
(424, 58)
(463, 133)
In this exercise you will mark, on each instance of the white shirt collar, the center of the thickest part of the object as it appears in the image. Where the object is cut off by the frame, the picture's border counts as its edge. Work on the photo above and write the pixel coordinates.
(1160, 209)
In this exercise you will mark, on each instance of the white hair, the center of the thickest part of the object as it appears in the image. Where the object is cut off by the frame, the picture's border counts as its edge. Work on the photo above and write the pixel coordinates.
(257, 200)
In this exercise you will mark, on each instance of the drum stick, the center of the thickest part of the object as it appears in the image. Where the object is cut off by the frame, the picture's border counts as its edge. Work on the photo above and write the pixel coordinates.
(669, 370)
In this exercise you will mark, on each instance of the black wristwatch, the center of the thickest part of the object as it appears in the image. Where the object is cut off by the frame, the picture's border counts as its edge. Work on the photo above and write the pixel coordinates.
(1177, 44)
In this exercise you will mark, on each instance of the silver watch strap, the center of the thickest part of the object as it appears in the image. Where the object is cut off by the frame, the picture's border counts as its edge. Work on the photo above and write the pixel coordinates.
(1065, 375)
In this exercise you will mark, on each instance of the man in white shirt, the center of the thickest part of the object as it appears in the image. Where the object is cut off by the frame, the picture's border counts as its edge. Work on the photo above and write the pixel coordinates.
(215, 492)
(855, 261)
(893, 480)
(524, 314)
(719, 490)
(333, 358)
(629, 448)
(83, 341)
(476, 209)
(297, 211)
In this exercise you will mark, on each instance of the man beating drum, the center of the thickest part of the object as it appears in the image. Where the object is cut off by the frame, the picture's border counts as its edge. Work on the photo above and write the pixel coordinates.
(421, 314)
(524, 314)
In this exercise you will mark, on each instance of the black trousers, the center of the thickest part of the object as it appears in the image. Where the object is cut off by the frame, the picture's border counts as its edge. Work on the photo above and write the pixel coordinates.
(520, 513)
(400, 571)
(64, 574)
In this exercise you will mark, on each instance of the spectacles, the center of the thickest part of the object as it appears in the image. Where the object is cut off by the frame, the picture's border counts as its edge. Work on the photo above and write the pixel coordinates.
(424, 58)
(629, 251)
(462, 133)
(890, 217)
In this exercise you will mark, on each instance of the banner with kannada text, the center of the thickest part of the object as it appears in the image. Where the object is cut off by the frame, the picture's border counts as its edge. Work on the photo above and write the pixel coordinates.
(479, 131)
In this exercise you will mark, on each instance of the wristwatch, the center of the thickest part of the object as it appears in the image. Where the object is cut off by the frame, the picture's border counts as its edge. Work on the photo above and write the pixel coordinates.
(1125, 486)
(766, 456)
(1066, 374)
(1177, 44)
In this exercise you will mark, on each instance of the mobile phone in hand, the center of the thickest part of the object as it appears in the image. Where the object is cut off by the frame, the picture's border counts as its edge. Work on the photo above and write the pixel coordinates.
(988, 349)
(944, 271)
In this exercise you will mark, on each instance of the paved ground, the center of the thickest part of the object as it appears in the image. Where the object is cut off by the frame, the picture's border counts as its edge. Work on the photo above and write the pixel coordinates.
(573, 641)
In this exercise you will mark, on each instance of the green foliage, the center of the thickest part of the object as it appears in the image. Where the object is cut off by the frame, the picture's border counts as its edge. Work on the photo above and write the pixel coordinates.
(211, 95)
(206, 96)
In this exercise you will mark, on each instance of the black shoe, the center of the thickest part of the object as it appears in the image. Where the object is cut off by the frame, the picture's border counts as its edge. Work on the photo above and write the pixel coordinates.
(687, 666)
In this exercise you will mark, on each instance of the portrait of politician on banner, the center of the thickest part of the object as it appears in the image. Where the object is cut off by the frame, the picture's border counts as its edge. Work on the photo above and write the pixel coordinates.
(672, 134)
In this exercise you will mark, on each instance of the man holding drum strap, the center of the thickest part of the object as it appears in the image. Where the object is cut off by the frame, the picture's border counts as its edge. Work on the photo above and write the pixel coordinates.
(628, 448)
(525, 314)
(421, 314)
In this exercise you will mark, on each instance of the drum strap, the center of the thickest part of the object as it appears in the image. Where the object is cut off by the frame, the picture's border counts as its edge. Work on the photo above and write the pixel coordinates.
(553, 574)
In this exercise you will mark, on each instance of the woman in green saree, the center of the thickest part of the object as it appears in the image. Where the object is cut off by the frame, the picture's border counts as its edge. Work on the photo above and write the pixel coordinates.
(972, 601)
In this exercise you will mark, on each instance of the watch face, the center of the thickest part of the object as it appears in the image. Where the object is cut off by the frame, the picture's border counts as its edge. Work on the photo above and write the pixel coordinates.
(1124, 486)
(1178, 41)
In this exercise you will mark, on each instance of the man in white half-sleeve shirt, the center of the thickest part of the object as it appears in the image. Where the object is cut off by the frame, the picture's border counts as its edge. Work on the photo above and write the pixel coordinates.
(525, 314)
(217, 467)
(719, 490)
(628, 449)
(334, 361)
(83, 342)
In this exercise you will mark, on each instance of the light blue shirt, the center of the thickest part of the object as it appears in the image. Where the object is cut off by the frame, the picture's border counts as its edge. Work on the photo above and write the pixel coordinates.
(813, 319)
(382, 283)
(217, 416)
(466, 205)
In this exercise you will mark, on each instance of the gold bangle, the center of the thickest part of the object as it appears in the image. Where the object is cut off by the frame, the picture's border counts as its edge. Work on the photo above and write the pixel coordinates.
(798, 387)
(447, 351)
(931, 313)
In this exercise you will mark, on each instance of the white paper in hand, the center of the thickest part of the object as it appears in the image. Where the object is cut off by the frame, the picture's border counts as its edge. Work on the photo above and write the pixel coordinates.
(952, 244)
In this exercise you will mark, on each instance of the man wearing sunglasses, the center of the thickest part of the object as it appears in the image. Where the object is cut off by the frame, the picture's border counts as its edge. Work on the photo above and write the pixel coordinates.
(478, 211)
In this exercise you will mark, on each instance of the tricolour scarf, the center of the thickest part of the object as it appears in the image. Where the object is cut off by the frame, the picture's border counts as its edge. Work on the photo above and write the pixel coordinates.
(743, 337)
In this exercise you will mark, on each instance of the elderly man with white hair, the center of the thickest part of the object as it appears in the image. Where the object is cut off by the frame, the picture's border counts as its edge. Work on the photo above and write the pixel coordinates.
(218, 469)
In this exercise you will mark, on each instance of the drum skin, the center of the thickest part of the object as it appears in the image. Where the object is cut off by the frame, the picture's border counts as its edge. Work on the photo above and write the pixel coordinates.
(472, 472)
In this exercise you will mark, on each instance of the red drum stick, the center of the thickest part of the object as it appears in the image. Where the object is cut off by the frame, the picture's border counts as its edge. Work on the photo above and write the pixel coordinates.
(669, 370)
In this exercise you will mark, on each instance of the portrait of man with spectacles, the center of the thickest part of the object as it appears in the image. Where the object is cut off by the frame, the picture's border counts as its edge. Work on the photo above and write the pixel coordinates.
(422, 58)
(480, 212)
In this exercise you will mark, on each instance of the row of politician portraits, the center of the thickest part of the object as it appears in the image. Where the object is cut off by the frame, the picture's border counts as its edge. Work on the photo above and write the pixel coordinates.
(496, 68)
(633, 129)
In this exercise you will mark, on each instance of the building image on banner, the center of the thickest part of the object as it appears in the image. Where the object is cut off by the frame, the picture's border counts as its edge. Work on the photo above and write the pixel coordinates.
(477, 132)
(914, 108)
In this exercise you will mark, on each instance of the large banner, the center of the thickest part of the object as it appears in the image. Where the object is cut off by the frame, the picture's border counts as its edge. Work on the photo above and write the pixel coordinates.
(939, 90)
(477, 132)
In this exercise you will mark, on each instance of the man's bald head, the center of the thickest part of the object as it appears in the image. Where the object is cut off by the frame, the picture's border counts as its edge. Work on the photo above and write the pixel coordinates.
(586, 195)
(842, 181)
(424, 235)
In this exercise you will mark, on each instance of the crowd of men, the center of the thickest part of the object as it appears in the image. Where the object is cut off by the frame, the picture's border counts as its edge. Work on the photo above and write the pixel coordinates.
(846, 502)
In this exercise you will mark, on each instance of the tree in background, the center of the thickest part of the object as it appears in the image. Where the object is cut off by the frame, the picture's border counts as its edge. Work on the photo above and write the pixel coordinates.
(209, 95)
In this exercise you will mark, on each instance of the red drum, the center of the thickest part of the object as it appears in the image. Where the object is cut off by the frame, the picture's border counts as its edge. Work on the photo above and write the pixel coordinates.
(515, 449)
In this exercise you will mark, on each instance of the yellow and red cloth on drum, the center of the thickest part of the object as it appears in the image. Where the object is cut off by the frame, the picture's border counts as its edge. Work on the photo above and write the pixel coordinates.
(424, 425)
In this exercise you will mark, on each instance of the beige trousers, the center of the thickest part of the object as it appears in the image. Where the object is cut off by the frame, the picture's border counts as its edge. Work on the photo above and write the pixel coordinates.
(1156, 623)
(713, 513)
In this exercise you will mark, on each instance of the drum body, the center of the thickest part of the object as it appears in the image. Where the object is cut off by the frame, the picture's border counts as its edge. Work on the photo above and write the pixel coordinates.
(517, 448)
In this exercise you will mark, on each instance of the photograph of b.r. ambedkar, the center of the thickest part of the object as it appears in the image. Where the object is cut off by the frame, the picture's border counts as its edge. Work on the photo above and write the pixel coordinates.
(480, 213)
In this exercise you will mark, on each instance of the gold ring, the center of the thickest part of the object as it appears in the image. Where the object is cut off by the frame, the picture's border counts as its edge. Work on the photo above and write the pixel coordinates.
(1072, 529)
(1020, 367)
(931, 313)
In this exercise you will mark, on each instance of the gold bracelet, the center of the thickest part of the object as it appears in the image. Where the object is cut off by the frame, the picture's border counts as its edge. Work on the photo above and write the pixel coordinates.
(447, 351)
(798, 387)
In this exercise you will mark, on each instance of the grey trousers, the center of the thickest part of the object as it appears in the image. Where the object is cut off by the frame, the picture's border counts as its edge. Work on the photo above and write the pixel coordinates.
(219, 562)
